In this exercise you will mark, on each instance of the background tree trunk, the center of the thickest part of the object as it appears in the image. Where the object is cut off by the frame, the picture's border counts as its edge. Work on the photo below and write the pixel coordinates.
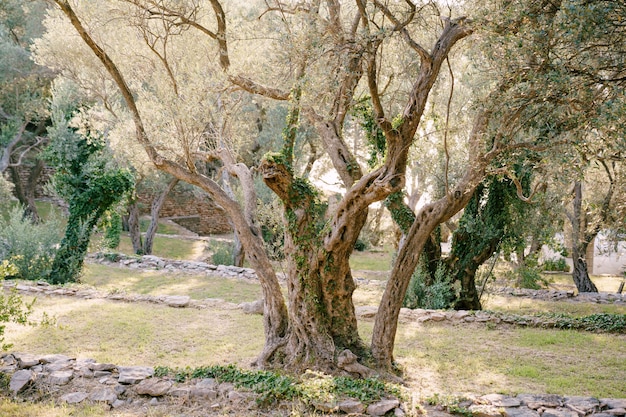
(155, 210)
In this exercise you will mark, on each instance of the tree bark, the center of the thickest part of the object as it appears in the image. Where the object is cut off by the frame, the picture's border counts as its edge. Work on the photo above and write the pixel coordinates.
(155, 210)
(134, 229)
(26, 195)
(580, 240)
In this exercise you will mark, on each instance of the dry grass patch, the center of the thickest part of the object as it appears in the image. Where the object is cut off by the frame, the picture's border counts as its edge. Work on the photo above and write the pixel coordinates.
(526, 305)
(481, 359)
(112, 279)
(141, 333)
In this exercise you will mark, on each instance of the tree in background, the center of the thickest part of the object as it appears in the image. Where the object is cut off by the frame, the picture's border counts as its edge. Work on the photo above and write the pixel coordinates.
(24, 94)
(86, 176)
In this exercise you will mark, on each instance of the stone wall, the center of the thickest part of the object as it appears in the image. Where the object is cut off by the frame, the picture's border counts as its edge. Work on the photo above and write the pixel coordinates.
(192, 210)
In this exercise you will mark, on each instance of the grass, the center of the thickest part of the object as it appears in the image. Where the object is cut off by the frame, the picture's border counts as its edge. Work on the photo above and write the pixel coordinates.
(472, 358)
(371, 260)
(198, 287)
(141, 333)
(166, 247)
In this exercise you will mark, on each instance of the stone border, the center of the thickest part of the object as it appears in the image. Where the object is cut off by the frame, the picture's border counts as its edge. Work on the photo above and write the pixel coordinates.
(72, 381)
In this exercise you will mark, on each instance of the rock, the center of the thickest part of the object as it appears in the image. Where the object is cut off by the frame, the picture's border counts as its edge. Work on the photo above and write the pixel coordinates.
(326, 408)
(500, 400)
(154, 387)
(134, 374)
(438, 316)
(25, 360)
(55, 358)
(202, 393)
(254, 307)
(615, 411)
(207, 383)
(366, 312)
(60, 377)
(382, 407)
(106, 395)
(59, 366)
(74, 397)
(614, 402)
(536, 401)
(520, 412)
(582, 405)
(153, 402)
(101, 367)
(559, 412)
(236, 397)
(351, 407)
(484, 410)
(178, 301)
(348, 362)
(20, 380)
(118, 403)
(180, 392)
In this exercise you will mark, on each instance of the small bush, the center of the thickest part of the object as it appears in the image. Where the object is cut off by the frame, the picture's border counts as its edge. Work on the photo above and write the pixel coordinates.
(529, 277)
(556, 265)
(13, 309)
(360, 245)
(434, 296)
(29, 247)
(222, 252)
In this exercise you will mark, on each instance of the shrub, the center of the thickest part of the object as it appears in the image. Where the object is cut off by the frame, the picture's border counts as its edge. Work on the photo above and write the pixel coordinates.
(360, 245)
(222, 253)
(528, 276)
(437, 295)
(12, 309)
(555, 265)
(29, 247)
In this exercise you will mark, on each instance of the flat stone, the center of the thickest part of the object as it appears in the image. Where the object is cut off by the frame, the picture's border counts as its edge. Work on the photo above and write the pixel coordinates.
(253, 307)
(536, 401)
(154, 387)
(26, 360)
(178, 301)
(179, 392)
(55, 358)
(203, 393)
(134, 374)
(382, 407)
(582, 405)
(438, 316)
(60, 377)
(105, 395)
(614, 402)
(500, 400)
(100, 374)
(74, 397)
(118, 403)
(102, 366)
(59, 366)
(366, 312)
(615, 411)
(559, 412)
(20, 380)
(324, 407)
(520, 412)
(207, 383)
(485, 410)
(351, 407)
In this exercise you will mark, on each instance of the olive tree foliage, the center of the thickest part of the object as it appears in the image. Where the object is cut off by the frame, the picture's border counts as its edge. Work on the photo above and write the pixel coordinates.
(170, 70)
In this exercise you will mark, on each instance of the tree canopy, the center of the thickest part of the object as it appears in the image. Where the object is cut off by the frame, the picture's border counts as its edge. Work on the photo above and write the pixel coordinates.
(173, 75)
